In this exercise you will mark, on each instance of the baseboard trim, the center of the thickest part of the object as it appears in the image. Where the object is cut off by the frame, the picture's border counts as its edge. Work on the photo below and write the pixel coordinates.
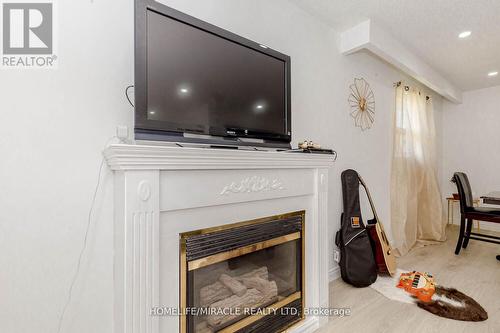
(334, 273)
(489, 226)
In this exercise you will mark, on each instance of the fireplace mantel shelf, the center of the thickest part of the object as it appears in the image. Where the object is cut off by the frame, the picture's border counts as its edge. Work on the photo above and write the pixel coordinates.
(144, 157)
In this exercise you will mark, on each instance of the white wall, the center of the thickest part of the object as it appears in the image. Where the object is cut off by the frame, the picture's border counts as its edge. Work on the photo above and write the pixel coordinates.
(471, 142)
(53, 125)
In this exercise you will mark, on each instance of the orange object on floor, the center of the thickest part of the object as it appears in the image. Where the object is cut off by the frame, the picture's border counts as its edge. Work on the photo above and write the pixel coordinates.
(420, 285)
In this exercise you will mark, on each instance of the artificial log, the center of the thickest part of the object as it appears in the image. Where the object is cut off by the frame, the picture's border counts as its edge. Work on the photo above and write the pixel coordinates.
(263, 293)
(251, 299)
(259, 272)
(214, 292)
(268, 288)
(218, 291)
(234, 285)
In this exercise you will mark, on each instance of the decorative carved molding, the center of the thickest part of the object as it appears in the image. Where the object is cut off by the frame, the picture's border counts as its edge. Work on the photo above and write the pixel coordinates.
(143, 295)
(253, 184)
(144, 190)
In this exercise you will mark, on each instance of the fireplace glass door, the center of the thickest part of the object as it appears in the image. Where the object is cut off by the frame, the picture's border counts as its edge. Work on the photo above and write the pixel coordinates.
(246, 277)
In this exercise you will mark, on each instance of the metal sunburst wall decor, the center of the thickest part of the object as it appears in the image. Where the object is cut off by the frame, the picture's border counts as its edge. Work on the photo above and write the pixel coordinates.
(362, 102)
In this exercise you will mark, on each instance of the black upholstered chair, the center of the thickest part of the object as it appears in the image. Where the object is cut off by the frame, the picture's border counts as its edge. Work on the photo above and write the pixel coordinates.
(469, 213)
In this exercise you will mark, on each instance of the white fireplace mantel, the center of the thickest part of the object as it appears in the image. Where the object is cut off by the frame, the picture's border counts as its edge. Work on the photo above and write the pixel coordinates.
(161, 191)
(139, 157)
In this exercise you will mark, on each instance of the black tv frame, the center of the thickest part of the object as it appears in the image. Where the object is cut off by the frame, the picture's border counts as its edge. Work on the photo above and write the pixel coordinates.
(146, 129)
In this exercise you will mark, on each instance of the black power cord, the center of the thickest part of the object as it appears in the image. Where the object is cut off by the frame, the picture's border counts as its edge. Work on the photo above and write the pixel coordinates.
(126, 94)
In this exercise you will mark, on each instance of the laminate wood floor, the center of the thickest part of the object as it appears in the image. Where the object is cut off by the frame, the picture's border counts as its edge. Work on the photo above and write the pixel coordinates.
(476, 272)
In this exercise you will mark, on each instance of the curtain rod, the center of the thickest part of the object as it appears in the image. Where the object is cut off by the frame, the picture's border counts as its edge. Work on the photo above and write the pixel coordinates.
(397, 84)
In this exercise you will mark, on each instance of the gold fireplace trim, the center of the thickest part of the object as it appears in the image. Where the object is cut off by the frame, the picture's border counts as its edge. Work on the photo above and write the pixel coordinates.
(251, 319)
(215, 258)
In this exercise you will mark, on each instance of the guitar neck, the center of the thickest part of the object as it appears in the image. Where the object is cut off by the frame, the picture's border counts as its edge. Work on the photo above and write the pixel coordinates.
(372, 205)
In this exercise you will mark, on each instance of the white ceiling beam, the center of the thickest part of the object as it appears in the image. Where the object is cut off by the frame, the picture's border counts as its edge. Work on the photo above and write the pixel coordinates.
(368, 36)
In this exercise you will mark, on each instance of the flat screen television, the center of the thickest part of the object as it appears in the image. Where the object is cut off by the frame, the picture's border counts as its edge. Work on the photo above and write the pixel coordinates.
(195, 82)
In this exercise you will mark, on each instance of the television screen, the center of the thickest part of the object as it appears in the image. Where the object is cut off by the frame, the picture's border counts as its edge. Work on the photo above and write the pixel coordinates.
(211, 82)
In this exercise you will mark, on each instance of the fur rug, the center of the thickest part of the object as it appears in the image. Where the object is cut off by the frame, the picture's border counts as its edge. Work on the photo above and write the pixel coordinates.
(446, 302)
(451, 303)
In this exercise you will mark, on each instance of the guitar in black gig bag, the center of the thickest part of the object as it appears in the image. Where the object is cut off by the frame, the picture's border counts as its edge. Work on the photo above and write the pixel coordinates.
(357, 261)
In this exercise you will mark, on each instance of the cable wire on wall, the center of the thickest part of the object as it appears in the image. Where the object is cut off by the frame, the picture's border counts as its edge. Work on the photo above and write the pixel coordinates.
(85, 240)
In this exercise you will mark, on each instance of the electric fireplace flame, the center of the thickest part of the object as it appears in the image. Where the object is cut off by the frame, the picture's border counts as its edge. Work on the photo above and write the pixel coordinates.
(243, 277)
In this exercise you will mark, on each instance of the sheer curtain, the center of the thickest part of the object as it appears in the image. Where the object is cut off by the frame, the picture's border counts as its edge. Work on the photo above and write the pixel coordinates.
(416, 207)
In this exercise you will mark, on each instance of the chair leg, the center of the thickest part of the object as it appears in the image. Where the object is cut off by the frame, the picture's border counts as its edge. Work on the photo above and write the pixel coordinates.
(460, 235)
(467, 233)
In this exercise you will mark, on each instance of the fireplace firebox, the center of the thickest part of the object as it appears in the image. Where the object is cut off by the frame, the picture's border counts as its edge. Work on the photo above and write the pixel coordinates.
(243, 277)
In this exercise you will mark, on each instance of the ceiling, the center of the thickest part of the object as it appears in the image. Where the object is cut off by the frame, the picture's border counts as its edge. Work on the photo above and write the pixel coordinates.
(430, 29)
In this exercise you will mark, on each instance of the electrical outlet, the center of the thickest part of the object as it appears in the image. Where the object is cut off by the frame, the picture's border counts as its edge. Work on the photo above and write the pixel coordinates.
(122, 133)
(336, 255)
